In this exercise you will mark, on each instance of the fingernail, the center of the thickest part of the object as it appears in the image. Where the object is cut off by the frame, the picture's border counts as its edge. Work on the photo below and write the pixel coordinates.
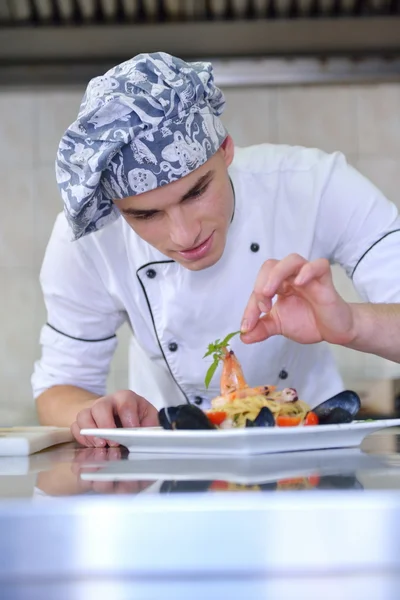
(245, 326)
(299, 280)
(267, 290)
(99, 442)
(262, 307)
(113, 444)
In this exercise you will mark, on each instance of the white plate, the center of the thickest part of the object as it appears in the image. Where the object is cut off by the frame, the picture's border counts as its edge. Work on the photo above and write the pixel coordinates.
(246, 470)
(242, 441)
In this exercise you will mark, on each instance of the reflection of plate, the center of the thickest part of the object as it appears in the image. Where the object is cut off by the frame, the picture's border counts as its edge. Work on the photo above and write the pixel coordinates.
(247, 471)
(243, 441)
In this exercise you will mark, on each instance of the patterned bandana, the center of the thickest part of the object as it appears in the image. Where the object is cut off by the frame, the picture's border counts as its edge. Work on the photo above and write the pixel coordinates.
(147, 122)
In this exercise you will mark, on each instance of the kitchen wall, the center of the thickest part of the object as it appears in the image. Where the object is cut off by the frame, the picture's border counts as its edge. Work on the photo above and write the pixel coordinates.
(361, 121)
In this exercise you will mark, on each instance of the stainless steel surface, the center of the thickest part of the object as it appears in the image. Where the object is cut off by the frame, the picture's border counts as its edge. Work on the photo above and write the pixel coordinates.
(280, 71)
(94, 12)
(268, 546)
(228, 72)
(367, 49)
(224, 39)
(67, 537)
(69, 470)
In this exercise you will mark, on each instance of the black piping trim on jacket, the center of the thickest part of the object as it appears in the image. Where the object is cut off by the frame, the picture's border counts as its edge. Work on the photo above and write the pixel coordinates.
(234, 199)
(370, 248)
(159, 262)
(80, 339)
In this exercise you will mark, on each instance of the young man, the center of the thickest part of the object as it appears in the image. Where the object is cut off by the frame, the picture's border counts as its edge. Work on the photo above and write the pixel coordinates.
(169, 227)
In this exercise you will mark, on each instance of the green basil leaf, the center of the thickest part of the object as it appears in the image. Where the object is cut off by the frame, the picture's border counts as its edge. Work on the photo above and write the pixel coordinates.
(210, 372)
(228, 338)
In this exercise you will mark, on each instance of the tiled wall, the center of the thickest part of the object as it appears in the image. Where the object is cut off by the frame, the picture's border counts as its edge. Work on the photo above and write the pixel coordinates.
(363, 122)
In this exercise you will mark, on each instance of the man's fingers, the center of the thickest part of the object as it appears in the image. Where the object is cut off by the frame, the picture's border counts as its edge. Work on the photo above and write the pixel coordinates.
(126, 407)
(103, 415)
(265, 328)
(251, 314)
(264, 274)
(316, 283)
(85, 420)
(128, 487)
(148, 414)
(272, 279)
(317, 269)
(81, 439)
(287, 268)
(254, 309)
(103, 487)
(114, 454)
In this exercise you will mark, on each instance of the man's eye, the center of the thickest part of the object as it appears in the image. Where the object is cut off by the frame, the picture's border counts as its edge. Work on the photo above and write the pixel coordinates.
(145, 216)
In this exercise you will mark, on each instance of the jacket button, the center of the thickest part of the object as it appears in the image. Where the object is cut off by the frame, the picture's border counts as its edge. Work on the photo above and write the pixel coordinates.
(151, 273)
(198, 400)
(283, 374)
(255, 247)
(173, 347)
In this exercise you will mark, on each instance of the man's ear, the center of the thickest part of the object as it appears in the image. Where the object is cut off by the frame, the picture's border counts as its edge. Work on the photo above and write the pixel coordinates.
(228, 150)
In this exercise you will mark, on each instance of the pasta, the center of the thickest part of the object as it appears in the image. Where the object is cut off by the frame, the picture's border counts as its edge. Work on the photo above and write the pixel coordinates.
(240, 405)
(239, 410)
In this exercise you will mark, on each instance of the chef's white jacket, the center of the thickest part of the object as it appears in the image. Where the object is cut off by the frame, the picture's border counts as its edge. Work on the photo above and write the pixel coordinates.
(288, 199)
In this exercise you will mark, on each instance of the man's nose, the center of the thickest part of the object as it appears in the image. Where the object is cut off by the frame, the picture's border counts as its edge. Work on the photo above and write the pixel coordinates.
(184, 231)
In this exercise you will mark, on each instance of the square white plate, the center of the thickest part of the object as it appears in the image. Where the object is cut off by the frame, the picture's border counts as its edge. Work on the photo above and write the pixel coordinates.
(263, 440)
(246, 470)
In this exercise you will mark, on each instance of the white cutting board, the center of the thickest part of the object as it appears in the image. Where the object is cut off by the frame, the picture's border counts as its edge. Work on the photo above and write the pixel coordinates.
(22, 441)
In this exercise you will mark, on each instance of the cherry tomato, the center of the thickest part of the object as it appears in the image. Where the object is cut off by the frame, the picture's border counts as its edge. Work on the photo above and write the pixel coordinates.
(216, 417)
(314, 480)
(218, 486)
(291, 481)
(311, 419)
(286, 421)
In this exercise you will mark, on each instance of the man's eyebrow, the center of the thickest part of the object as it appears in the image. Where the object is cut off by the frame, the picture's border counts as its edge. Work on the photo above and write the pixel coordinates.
(200, 183)
(204, 179)
(138, 211)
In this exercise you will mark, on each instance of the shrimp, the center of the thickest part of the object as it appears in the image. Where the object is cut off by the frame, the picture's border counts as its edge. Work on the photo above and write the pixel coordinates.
(232, 377)
(233, 384)
(239, 403)
(241, 394)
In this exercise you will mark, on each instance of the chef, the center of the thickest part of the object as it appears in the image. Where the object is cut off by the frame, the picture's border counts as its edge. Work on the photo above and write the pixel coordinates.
(169, 227)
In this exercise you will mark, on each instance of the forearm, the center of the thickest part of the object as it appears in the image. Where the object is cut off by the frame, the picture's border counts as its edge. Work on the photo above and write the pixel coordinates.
(377, 330)
(59, 405)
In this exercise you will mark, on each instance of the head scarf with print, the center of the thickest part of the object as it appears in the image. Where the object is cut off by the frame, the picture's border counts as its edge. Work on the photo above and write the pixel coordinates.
(146, 123)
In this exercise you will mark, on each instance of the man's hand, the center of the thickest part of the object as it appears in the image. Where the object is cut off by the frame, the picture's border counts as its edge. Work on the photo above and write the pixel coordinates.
(308, 308)
(122, 409)
(84, 463)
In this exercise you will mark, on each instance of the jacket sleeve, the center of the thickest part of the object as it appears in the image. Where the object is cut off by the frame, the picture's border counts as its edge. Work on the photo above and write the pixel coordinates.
(79, 338)
(359, 228)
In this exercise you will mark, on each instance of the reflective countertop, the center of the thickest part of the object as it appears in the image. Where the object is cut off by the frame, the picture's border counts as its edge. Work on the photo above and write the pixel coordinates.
(96, 523)
(70, 470)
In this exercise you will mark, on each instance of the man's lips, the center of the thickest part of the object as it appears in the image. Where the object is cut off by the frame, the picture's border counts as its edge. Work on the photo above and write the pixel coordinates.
(199, 251)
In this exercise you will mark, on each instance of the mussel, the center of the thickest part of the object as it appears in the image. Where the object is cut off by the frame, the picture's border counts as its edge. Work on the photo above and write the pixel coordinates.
(171, 487)
(265, 418)
(184, 416)
(339, 482)
(341, 408)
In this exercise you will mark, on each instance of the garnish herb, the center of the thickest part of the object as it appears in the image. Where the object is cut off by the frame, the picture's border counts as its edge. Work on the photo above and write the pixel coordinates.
(216, 350)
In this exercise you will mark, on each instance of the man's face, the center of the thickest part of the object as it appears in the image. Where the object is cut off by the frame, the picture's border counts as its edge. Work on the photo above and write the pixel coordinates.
(187, 220)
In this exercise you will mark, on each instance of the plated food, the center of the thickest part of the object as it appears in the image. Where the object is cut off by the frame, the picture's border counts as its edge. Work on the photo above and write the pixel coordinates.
(311, 482)
(240, 405)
